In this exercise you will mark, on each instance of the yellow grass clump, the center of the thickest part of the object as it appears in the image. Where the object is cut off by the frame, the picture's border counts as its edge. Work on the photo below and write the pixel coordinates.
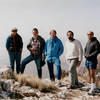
(34, 82)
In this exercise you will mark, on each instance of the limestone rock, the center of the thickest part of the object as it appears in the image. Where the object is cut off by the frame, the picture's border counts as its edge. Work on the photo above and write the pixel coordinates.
(7, 85)
(26, 91)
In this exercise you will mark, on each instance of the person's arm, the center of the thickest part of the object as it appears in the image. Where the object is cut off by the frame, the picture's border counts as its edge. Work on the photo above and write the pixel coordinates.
(43, 45)
(80, 53)
(85, 51)
(61, 48)
(45, 48)
(8, 44)
(21, 45)
(42, 49)
(29, 46)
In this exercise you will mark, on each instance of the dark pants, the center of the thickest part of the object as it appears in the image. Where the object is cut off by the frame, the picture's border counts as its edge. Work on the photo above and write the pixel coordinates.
(51, 70)
(37, 60)
(15, 56)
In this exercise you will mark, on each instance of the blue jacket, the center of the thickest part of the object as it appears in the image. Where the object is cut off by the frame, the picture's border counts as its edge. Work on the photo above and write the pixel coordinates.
(53, 49)
(17, 46)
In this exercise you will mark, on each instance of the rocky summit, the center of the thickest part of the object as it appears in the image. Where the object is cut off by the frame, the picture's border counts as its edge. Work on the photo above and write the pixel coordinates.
(29, 87)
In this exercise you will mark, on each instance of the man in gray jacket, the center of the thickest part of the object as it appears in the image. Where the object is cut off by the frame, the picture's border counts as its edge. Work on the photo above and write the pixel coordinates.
(92, 49)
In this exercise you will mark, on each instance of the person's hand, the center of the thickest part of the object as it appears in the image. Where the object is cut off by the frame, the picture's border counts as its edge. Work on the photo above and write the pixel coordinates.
(21, 50)
(79, 63)
(31, 49)
(8, 50)
(44, 57)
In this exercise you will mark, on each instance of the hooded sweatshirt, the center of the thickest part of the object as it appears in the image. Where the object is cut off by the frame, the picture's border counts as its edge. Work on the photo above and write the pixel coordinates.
(92, 49)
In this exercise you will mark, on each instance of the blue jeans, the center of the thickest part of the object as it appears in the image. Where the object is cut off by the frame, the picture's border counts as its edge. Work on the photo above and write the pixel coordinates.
(37, 60)
(51, 69)
(15, 56)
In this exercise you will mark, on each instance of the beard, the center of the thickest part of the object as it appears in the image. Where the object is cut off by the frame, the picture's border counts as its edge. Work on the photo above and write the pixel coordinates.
(71, 38)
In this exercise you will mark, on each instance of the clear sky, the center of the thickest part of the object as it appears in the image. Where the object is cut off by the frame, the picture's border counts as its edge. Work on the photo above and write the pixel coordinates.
(79, 16)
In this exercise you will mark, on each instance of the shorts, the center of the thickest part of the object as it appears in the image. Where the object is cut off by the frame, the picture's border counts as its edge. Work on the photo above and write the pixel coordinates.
(91, 64)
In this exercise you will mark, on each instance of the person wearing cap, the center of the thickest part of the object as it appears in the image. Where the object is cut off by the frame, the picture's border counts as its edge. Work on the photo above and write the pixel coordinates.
(92, 49)
(14, 46)
(36, 47)
(74, 55)
(53, 50)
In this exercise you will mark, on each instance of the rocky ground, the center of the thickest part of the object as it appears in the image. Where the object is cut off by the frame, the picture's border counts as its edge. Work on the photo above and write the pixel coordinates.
(27, 87)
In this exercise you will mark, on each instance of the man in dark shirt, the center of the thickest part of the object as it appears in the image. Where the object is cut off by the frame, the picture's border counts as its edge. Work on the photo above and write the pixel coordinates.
(14, 46)
(36, 47)
(92, 49)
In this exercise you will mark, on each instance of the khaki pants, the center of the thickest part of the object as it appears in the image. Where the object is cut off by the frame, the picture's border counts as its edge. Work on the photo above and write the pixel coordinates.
(72, 71)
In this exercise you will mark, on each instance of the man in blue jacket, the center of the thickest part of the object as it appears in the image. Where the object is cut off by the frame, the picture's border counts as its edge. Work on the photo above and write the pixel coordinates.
(14, 46)
(53, 50)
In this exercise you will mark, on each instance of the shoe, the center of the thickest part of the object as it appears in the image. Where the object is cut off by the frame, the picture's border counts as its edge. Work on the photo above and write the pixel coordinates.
(58, 83)
(77, 84)
(93, 87)
(71, 87)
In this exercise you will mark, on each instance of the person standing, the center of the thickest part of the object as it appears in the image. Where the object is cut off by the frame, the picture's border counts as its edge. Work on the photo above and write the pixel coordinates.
(36, 47)
(53, 50)
(92, 49)
(14, 46)
(74, 56)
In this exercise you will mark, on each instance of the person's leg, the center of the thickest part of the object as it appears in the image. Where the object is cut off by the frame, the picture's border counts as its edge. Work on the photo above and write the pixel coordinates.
(51, 71)
(18, 60)
(89, 75)
(92, 74)
(76, 77)
(39, 67)
(93, 65)
(73, 72)
(12, 60)
(26, 61)
(58, 66)
(93, 82)
(87, 66)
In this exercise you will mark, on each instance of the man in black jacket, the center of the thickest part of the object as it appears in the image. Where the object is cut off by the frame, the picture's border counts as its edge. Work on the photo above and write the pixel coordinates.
(92, 49)
(14, 46)
(36, 47)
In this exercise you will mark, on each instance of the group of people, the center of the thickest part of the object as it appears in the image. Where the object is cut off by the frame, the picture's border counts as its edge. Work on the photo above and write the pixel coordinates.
(51, 50)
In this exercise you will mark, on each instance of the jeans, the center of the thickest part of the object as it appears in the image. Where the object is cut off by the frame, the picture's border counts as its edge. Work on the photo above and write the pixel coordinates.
(37, 60)
(15, 56)
(51, 69)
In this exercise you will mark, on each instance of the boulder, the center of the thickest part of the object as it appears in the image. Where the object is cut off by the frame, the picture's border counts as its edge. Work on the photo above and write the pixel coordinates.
(7, 85)
(5, 72)
(26, 91)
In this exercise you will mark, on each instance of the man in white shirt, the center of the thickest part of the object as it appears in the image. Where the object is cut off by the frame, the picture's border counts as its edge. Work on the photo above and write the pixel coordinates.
(74, 56)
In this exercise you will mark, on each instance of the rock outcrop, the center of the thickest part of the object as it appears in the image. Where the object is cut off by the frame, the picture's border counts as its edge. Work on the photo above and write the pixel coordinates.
(28, 87)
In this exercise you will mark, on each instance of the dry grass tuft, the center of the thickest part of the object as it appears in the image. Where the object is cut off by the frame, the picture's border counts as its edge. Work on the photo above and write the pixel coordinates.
(34, 82)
